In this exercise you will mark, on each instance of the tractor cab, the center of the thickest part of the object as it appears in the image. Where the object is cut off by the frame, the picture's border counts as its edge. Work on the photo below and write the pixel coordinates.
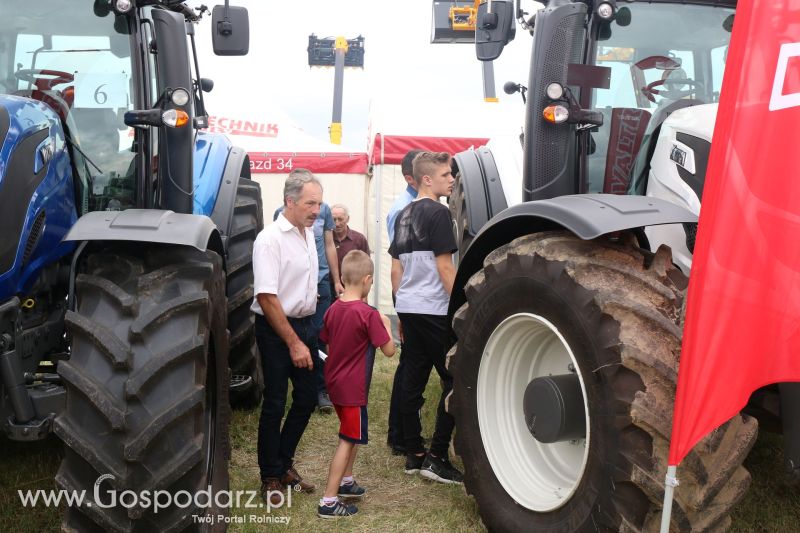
(604, 76)
(661, 59)
(78, 63)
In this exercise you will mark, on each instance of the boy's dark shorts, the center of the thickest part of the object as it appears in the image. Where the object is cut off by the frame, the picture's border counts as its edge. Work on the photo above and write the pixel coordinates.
(352, 423)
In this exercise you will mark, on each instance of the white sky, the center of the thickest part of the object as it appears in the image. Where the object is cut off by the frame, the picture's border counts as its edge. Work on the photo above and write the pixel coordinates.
(401, 66)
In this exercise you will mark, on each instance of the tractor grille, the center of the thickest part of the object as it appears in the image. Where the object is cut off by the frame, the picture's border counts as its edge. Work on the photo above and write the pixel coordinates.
(33, 238)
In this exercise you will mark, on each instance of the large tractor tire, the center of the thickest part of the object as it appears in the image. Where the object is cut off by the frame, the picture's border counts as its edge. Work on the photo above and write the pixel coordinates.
(247, 381)
(457, 203)
(147, 390)
(597, 321)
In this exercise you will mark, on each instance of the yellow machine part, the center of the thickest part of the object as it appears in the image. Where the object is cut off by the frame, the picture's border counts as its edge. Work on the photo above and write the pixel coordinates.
(464, 18)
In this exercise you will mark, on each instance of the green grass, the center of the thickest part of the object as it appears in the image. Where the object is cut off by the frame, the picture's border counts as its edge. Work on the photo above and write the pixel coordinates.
(395, 501)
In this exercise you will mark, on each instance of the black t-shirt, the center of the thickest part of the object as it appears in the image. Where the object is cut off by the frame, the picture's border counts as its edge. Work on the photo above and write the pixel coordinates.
(422, 231)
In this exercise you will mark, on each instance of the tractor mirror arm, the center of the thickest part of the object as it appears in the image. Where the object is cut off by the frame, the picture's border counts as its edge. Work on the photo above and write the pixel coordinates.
(143, 117)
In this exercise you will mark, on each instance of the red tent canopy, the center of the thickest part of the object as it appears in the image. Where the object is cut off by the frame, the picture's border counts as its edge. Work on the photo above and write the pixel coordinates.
(390, 149)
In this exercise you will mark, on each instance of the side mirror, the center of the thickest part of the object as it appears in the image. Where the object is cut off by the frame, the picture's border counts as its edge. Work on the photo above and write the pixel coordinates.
(206, 85)
(494, 29)
(230, 30)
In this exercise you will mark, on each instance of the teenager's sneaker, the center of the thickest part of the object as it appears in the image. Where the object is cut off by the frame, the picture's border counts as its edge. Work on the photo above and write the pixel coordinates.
(336, 510)
(414, 463)
(438, 469)
(324, 403)
(351, 490)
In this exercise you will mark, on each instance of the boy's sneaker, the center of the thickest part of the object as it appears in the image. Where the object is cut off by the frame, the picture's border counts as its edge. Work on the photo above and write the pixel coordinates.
(438, 469)
(336, 510)
(351, 490)
(414, 463)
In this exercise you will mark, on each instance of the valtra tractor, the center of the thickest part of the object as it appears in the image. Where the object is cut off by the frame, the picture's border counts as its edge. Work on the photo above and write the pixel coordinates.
(125, 254)
(568, 301)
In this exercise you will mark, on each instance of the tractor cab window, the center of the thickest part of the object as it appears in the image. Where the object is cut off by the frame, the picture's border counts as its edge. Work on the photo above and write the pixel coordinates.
(78, 64)
(661, 59)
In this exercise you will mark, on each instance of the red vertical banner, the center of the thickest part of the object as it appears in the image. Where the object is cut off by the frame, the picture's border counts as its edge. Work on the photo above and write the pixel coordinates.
(743, 318)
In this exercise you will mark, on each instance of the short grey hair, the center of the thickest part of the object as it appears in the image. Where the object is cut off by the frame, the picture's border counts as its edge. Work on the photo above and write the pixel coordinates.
(297, 178)
(342, 207)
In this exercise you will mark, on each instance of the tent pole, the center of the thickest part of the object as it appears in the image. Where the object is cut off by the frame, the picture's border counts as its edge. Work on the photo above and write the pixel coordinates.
(670, 482)
(378, 244)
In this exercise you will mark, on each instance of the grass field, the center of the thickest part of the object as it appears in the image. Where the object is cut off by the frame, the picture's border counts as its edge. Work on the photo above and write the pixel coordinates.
(395, 501)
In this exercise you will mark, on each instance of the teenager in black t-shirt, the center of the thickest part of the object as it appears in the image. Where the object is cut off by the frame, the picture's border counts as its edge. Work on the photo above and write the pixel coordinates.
(422, 279)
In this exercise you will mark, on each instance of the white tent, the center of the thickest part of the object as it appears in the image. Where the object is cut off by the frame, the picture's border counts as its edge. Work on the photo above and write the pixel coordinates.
(276, 146)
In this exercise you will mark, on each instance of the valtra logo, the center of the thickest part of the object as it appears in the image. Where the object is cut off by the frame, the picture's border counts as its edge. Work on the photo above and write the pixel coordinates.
(233, 126)
(779, 100)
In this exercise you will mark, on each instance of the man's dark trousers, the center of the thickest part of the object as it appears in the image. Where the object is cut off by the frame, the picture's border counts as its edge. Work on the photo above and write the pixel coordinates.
(423, 350)
(276, 446)
(395, 436)
(323, 303)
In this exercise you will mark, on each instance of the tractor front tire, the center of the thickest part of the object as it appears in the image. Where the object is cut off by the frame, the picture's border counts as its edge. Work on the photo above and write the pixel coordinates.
(552, 304)
(147, 390)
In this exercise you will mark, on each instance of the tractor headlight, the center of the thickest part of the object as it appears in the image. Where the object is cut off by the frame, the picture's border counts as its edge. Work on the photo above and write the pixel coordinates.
(605, 10)
(554, 91)
(180, 97)
(121, 7)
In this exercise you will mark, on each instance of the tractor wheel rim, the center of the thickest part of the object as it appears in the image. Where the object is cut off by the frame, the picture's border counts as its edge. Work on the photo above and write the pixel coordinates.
(540, 477)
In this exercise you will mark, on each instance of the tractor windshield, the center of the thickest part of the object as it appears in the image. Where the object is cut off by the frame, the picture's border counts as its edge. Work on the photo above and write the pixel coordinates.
(662, 58)
(77, 61)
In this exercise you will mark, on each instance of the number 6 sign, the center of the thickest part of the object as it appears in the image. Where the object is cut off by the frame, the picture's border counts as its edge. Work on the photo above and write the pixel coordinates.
(106, 90)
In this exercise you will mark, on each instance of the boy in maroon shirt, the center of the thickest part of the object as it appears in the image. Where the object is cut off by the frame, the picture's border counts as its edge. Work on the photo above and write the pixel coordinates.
(352, 329)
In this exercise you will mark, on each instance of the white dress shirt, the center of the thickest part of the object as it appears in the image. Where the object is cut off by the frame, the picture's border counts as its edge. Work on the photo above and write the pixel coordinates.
(285, 264)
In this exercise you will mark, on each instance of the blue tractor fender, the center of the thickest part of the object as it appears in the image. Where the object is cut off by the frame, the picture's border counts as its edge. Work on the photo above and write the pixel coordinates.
(218, 166)
(586, 215)
(211, 154)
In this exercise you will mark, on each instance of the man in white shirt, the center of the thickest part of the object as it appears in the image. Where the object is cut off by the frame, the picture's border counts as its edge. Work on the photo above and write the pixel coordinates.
(285, 268)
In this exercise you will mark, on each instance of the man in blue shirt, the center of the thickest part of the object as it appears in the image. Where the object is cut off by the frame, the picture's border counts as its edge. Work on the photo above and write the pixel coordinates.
(328, 275)
(395, 437)
(407, 196)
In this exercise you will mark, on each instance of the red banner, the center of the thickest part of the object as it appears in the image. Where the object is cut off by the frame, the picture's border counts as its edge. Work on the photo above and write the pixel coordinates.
(317, 162)
(743, 318)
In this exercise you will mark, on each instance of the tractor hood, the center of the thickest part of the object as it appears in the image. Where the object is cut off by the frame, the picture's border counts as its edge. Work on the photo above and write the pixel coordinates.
(37, 204)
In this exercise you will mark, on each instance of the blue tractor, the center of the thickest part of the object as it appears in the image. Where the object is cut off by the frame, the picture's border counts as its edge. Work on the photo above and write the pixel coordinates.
(125, 252)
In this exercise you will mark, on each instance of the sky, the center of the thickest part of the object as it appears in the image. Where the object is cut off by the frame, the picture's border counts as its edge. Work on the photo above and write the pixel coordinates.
(403, 72)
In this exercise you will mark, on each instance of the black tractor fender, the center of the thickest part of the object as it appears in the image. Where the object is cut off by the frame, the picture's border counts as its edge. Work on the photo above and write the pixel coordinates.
(586, 215)
(483, 190)
(236, 166)
(149, 226)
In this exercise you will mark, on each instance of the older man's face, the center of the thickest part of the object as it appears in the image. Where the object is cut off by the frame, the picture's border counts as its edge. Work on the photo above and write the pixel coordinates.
(340, 219)
(306, 209)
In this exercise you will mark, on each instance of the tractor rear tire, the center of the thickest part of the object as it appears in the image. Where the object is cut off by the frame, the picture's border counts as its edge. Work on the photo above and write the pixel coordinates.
(552, 303)
(147, 404)
(457, 203)
(247, 381)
